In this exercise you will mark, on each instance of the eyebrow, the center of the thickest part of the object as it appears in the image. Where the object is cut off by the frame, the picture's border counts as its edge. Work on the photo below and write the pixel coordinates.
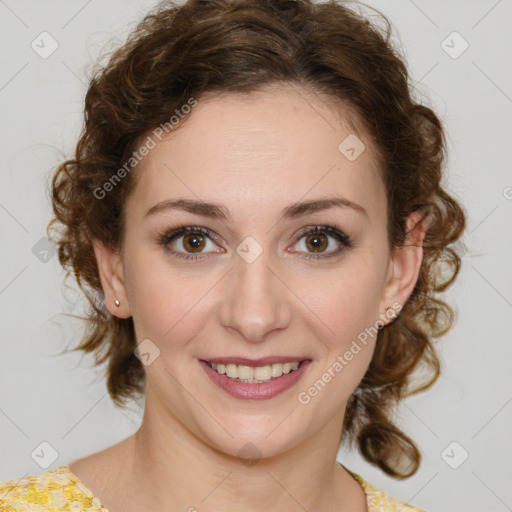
(219, 211)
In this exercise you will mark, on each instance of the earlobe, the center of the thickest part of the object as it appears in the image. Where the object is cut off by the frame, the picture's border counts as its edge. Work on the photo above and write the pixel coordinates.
(406, 263)
(110, 267)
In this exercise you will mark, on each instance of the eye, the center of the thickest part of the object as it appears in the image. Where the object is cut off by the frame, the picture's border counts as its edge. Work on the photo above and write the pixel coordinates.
(196, 242)
(322, 242)
(189, 242)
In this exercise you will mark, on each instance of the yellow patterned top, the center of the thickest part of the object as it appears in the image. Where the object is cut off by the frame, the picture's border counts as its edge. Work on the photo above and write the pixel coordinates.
(59, 489)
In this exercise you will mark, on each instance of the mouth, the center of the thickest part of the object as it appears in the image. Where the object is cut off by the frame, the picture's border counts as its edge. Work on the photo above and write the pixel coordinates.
(255, 379)
(254, 374)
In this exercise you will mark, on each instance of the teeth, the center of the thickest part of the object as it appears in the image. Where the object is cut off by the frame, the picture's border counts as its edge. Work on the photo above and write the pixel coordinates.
(262, 373)
(276, 370)
(245, 372)
(232, 371)
(254, 374)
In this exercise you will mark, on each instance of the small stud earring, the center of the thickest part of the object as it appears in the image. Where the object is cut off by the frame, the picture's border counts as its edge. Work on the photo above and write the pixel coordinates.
(393, 314)
(117, 303)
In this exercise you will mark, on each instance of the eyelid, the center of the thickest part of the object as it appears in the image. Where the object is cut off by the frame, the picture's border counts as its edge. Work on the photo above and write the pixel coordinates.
(169, 235)
(343, 239)
(325, 228)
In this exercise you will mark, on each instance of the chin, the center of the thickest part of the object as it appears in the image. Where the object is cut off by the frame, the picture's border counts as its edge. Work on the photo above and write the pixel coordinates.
(254, 436)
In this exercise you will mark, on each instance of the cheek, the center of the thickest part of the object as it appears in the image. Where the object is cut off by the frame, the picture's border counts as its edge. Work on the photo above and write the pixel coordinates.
(347, 302)
(345, 322)
(167, 304)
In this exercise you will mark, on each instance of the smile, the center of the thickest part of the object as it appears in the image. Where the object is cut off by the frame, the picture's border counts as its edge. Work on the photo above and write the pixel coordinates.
(254, 374)
(251, 382)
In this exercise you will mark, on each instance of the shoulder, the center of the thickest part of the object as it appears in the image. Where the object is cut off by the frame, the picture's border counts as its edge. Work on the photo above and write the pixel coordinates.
(54, 490)
(379, 501)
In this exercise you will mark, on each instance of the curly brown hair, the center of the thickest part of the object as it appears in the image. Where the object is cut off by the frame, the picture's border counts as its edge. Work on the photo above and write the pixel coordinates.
(179, 52)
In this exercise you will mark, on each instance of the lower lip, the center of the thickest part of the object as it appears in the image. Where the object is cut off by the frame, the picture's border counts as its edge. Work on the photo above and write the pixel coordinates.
(255, 391)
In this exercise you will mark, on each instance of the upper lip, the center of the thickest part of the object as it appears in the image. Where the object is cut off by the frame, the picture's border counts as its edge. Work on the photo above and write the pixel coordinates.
(261, 361)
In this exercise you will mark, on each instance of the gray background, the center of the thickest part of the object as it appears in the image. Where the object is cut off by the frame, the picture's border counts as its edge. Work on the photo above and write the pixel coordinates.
(62, 401)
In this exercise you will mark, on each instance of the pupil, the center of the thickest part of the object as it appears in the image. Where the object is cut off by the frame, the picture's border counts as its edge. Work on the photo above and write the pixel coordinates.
(317, 242)
(194, 241)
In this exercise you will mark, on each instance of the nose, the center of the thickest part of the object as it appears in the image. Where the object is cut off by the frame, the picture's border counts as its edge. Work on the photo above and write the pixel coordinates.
(256, 300)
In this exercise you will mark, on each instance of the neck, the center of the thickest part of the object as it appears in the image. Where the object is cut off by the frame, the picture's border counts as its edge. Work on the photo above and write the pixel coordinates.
(171, 465)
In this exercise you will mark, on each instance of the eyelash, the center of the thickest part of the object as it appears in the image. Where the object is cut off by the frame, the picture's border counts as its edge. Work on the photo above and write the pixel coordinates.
(166, 237)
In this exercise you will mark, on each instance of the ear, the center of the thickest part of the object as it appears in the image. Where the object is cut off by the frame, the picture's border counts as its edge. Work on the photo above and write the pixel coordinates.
(404, 266)
(110, 266)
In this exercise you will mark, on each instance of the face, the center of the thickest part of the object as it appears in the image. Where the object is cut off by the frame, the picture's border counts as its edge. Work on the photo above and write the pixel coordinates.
(255, 267)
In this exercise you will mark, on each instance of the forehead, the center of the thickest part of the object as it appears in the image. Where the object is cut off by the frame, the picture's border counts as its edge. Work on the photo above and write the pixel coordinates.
(262, 151)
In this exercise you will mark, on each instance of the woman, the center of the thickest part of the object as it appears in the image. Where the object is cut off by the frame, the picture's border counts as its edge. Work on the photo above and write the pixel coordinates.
(255, 215)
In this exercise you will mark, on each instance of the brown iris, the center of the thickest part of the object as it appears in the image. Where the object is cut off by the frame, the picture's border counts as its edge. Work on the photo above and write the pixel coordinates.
(316, 242)
(195, 241)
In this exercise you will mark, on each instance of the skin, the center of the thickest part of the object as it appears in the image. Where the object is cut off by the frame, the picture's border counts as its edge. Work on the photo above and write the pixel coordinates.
(255, 154)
